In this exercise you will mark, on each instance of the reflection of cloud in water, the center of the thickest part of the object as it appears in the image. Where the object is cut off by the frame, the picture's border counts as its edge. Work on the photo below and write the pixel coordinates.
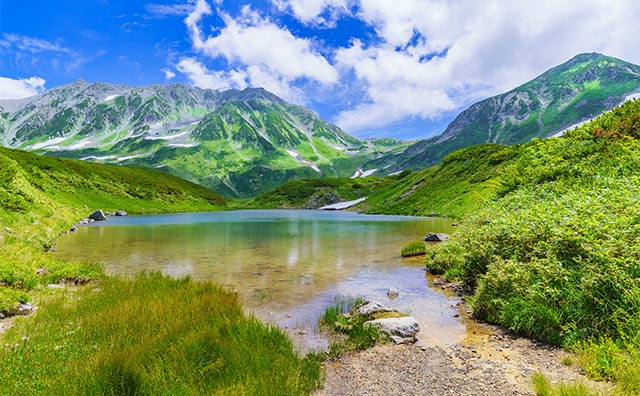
(292, 258)
(179, 268)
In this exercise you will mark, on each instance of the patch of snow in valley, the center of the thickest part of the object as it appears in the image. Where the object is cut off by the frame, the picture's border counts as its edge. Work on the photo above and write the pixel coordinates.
(576, 125)
(293, 154)
(342, 205)
(93, 157)
(110, 97)
(396, 173)
(315, 168)
(128, 157)
(166, 137)
(633, 96)
(48, 143)
(80, 144)
(361, 173)
(182, 145)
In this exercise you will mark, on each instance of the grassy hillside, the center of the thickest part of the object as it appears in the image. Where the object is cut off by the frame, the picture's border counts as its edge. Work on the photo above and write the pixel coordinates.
(151, 335)
(464, 181)
(314, 193)
(555, 255)
(43, 196)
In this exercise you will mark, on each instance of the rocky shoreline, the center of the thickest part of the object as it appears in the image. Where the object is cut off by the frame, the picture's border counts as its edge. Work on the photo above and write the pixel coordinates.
(489, 362)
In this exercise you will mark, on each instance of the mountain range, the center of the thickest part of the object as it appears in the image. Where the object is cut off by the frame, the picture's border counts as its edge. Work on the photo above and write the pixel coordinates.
(239, 143)
(243, 143)
(561, 98)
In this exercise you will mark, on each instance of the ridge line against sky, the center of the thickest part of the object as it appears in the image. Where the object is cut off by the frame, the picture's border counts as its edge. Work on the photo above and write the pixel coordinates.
(400, 68)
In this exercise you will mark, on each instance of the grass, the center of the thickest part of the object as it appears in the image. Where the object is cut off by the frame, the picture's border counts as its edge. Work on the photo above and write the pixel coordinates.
(352, 334)
(150, 336)
(543, 387)
(554, 254)
(415, 248)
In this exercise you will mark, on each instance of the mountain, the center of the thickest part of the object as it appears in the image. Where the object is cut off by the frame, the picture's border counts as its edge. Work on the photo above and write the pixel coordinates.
(561, 98)
(239, 143)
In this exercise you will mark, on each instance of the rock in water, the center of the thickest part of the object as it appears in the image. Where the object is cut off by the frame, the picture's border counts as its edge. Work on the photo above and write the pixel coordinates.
(98, 215)
(433, 237)
(400, 330)
(121, 213)
(392, 293)
(369, 308)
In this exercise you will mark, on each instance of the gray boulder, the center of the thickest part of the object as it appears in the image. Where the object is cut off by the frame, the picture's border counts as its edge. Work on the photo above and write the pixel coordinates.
(400, 330)
(121, 213)
(392, 293)
(369, 308)
(98, 215)
(434, 237)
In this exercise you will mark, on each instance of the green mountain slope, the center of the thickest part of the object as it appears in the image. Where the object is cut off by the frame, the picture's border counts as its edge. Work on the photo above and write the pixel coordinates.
(239, 143)
(38, 192)
(578, 90)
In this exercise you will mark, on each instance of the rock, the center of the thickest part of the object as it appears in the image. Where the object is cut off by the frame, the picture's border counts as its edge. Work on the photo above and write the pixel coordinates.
(98, 215)
(83, 222)
(121, 213)
(74, 229)
(371, 308)
(54, 286)
(433, 237)
(23, 309)
(392, 293)
(400, 330)
(41, 271)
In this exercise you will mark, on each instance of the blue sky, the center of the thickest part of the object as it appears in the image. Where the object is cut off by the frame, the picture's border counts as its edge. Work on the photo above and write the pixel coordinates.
(401, 68)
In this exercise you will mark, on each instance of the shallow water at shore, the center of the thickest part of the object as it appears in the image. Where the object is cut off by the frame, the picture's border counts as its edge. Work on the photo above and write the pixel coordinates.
(286, 265)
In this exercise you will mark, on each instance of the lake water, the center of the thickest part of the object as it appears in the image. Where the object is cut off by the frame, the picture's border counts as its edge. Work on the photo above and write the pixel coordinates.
(286, 265)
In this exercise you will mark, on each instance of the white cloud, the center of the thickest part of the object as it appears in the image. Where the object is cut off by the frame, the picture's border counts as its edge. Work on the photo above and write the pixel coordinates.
(436, 55)
(168, 74)
(254, 76)
(254, 41)
(259, 52)
(202, 77)
(313, 11)
(20, 88)
(167, 10)
(27, 52)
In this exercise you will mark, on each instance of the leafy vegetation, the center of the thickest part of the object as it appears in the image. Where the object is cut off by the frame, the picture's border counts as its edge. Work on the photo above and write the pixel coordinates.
(354, 335)
(555, 254)
(543, 387)
(40, 197)
(150, 336)
(577, 90)
(415, 248)
(314, 193)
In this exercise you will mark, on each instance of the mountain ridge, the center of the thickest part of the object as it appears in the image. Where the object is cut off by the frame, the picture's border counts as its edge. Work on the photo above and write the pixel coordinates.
(575, 91)
(239, 143)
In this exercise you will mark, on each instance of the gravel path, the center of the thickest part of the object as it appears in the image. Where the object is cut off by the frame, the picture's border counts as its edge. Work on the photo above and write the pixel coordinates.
(489, 362)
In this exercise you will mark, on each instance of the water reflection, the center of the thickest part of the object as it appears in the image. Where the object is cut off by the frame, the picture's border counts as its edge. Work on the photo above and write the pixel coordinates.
(286, 265)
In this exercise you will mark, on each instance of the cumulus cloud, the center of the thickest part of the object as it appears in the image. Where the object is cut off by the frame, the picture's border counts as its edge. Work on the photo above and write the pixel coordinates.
(20, 88)
(168, 74)
(323, 13)
(436, 55)
(259, 52)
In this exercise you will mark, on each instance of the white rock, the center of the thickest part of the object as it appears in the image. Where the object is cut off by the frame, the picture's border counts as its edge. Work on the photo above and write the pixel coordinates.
(371, 308)
(400, 330)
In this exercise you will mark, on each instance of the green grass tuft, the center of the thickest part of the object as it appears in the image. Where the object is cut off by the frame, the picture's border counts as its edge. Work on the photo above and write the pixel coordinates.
(416, 248)
(152, 335)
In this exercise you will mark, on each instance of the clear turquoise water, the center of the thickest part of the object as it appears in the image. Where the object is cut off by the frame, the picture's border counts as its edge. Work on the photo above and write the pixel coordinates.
(287, 265)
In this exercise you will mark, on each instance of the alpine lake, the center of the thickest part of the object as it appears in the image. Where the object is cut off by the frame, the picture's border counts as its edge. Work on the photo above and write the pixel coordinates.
(287, 266)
